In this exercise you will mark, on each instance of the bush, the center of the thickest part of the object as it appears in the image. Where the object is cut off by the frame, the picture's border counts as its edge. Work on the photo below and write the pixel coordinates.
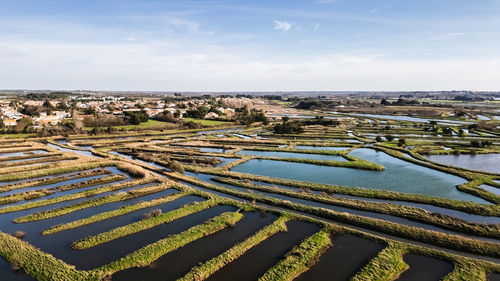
(176, 166)
(389, 138)
(378, 138)
(19, 234)
(152, 214)
(289, 128)
(401, 142)
(132, 170)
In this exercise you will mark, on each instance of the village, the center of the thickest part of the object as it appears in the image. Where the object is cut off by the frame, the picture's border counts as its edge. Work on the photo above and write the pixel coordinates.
(35, 112)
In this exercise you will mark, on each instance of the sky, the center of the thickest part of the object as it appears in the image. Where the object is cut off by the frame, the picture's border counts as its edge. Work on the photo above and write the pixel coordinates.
(259, 45)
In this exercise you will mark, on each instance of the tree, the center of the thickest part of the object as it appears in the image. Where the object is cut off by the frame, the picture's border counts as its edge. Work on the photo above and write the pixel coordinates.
(243, 116)
(389, 138)
(475, 143)
(62, 106)
(31, 110)
(48, 105)
(135, 120)
(401, 142)
(23, 124)
(289, 128)
(378, 138)
(198, 113)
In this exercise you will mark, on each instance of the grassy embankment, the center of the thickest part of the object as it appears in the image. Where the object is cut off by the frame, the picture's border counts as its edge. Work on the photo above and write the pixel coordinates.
(40, 265)
(412, 213)
(28, 195)
(352, 162)
(148, 254)
(475, 178)
(152, 252)
(74, 167)
(120, 196)
(389, 264)
(300, 258)
(113, 213)
(204, 270)
(53, 180)
(29, 156)
(78, 195)
(470, 207)
(456, 242)
(142, 225)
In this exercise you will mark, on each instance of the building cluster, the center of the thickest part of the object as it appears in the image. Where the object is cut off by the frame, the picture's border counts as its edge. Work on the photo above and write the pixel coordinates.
(12, 110)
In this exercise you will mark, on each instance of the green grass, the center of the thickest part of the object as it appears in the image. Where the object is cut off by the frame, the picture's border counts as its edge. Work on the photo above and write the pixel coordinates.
(36, 263)
(411, 213)
(203, 271)
(142, 225)
(145, 125)
(386, 266)
(16, 136)
(119, 196)
(111, 214)
(152, 252)
(47, 181)
(28, 195)
(481, 209)
(300, 258)
(456, 242)
(49, 172)
(78, 195)
(205, 122)
(466, 270)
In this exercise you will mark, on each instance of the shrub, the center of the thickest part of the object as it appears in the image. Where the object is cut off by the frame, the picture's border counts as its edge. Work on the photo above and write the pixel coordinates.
(152, 214)
(16, 267)
(132, 170)
(19, 234)
(389, 138)
(401, 142)
(294, 127)
(176, 166)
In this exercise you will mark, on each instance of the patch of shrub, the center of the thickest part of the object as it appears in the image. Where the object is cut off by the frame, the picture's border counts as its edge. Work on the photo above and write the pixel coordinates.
(132, 170)
(152, 214)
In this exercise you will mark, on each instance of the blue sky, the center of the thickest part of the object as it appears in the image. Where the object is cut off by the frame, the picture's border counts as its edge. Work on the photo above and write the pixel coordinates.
(250, 45)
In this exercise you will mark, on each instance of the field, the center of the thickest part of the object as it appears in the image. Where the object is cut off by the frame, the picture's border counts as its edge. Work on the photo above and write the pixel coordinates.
(205, 122)
(150, 124)
(345, 201)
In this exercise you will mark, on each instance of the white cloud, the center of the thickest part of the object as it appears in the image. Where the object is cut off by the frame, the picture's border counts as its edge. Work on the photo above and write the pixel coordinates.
(376, 10)
(163, 66)
(316, 26)
(448, 36)
(282, 25)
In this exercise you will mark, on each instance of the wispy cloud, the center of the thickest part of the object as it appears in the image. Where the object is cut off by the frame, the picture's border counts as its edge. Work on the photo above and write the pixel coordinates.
(156, 64)
(282, 25)
(316, 26)
(448, 36)
(326, 1)
(376, 10)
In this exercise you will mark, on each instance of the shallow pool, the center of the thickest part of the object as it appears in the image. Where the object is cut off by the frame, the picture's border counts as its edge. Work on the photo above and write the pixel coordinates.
(399, 175)
(481, 162)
